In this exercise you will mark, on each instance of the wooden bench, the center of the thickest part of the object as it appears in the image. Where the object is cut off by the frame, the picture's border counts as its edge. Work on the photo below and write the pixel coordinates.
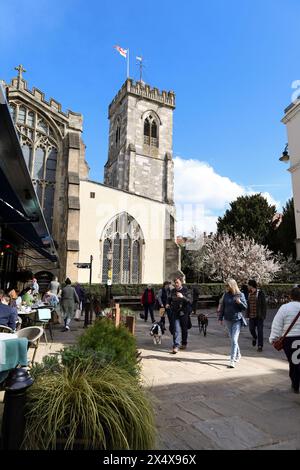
(207, 301)
(131, 301)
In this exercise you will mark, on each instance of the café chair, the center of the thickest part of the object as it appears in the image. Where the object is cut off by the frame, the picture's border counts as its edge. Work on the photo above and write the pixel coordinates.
(5, 329)
(33, 334)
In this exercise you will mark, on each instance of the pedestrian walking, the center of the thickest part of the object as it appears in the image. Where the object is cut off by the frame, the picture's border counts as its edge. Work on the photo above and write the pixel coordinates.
(69, 299)
(163, 299)
(81, 295)
(282, 322)
(54, 286)
(180, 309)
(148, 302)
(256, 312)
(234, 303)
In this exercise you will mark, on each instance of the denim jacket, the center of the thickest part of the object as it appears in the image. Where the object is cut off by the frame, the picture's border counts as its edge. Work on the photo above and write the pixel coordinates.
(230, 309)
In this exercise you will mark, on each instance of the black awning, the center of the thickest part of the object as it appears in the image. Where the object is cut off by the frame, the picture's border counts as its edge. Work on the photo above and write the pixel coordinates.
(19, 205)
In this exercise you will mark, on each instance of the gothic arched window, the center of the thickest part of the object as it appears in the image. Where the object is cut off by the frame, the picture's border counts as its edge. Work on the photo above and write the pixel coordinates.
(150, 131)
(124, 237)
(40, 149)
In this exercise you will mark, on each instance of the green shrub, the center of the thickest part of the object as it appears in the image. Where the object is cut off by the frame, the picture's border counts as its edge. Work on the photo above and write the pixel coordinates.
(99, 409)
(49, 364)
(117, 343)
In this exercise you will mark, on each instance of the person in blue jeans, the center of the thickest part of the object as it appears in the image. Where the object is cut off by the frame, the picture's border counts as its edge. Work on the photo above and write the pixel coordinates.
(234, 303)
(180, 307)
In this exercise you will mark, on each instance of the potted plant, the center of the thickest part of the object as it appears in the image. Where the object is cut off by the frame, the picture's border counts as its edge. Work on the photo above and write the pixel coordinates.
(80, 406)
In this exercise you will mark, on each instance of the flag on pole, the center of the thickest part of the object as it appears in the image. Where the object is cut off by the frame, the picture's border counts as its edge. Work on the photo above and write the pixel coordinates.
(139, 58)
(122, 51)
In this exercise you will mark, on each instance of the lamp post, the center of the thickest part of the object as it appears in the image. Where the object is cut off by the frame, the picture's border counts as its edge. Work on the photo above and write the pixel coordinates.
(285, 155)
(109, 276)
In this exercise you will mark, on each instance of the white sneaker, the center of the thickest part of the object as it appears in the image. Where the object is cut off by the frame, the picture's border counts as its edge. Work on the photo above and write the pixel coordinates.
(231, 365)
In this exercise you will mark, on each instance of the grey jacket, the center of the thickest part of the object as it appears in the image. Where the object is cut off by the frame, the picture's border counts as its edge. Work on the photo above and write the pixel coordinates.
(54, 287)
(69, 297)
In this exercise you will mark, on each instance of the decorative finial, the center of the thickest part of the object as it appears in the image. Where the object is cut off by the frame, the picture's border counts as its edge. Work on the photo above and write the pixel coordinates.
(20, 69)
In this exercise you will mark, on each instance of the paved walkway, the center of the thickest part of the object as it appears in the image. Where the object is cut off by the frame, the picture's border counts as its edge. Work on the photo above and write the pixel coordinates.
(201, 404)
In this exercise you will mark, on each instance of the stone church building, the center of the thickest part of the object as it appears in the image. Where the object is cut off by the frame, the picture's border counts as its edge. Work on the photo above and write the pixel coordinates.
(292, 121)
(127, 224)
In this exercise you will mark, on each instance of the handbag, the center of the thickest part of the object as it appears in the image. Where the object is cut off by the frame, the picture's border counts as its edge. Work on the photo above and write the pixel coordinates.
(162, 312)
(278, 343)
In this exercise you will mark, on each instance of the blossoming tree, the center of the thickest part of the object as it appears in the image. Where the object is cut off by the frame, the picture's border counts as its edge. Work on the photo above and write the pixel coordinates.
(239, 258)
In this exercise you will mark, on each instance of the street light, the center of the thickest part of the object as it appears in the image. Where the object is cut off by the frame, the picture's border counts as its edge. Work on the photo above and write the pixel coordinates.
(109, 257)
(285, 155)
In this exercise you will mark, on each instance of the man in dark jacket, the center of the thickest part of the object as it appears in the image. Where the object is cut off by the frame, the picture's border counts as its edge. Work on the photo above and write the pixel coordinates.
(148, 301)
(256, 312)
(8, 315)
(180, 308)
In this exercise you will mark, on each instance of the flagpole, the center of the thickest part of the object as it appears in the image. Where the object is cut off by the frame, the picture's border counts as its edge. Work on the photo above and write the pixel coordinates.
(128, 63)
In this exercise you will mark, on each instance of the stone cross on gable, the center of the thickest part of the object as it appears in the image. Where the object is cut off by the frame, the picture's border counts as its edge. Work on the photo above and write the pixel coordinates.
(20, 69)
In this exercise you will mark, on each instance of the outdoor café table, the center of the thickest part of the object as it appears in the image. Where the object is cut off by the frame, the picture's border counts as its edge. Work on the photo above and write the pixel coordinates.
(28, 316)
(13, 352)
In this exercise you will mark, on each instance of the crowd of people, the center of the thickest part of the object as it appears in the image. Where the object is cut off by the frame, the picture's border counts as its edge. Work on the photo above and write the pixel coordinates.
(66, 302)
(237, 308)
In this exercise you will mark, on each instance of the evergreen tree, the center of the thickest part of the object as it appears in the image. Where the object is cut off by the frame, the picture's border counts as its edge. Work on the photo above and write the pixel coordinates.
(248, 216)
(283, 239)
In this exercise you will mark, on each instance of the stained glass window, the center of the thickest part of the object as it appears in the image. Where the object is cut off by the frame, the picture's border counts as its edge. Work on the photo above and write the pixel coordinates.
(21, 115)
(105, 264)
(116, 259)
(51, 165)
(27, 151)
(125, 236)
(136, 262)
(48, 205)
(30, 119)
(126, 260)
(38, 168)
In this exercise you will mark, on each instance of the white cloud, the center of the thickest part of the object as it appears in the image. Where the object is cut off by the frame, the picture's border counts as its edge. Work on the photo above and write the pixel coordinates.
(202, 195)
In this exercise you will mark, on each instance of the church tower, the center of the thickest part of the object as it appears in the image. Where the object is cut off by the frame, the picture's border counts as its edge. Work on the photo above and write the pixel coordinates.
(140, 142)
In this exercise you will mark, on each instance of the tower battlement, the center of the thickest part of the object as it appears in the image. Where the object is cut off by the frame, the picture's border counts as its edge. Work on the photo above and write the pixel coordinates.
(20, 85)
(167, 98)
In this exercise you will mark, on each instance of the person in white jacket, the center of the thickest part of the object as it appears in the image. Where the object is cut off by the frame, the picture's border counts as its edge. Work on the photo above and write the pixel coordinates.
(282, 320)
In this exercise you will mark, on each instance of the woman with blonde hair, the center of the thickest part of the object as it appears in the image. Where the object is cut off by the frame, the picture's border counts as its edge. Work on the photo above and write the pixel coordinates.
(233, 304)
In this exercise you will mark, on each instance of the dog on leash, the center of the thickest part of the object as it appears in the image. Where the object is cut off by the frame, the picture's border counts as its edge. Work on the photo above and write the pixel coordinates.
(202, 323)
(156, 331)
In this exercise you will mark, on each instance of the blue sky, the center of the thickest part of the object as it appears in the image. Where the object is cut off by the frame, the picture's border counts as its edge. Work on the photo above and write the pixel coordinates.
(231, 64)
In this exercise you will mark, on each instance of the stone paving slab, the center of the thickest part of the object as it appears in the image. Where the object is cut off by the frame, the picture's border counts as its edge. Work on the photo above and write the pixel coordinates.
(233, 433)
(213, 407)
